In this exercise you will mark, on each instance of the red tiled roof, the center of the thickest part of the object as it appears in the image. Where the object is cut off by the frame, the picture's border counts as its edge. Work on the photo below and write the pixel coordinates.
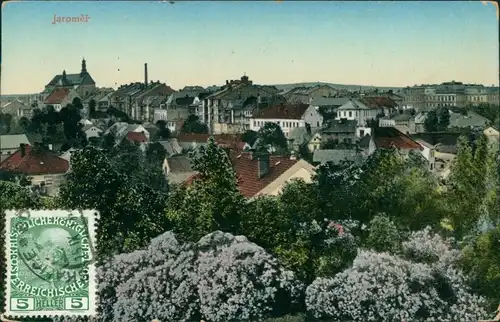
(57, 96)
(387, 137)
(247, 171)
(35, 163)
(378, 102)
(282, 111)
(137, 137)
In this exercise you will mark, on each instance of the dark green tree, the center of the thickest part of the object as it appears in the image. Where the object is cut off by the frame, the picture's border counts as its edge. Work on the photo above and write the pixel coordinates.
(443, 115)
(156, 153)
(431, 123)
(271, 135)
(5, 123)
(24, 123)
(464, 197)
(130, 213)
(92, 108)
(164, 132)
(77, 103)
(212, 201)
(482, 263)
(108, 141)
(249, 137)
(194, 125)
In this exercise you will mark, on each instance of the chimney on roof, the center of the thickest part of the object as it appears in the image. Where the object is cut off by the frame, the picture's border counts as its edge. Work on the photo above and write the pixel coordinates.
(23, 149)
(146, 74)
(263, 164)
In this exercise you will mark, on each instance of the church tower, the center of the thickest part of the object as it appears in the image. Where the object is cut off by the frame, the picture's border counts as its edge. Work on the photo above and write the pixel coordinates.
(84, 67)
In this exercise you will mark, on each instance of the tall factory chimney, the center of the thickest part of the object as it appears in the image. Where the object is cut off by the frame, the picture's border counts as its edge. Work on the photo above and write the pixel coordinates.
(146, 74)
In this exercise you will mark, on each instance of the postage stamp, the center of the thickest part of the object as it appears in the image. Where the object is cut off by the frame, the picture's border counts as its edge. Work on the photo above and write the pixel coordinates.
(50, 263)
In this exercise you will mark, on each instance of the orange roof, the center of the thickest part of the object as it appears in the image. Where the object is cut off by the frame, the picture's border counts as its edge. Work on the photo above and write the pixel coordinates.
(388, 137)
(35, 163)
(57, 96)
(137, 137)
(247, 170)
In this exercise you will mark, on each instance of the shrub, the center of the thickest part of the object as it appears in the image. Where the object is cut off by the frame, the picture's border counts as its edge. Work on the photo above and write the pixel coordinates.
(384, 235)
(220, 278)
(165, 292)
(384, 287)
(238, 280)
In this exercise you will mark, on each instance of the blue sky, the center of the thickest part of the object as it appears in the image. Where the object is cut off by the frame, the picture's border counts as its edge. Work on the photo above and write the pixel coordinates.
(205, 43)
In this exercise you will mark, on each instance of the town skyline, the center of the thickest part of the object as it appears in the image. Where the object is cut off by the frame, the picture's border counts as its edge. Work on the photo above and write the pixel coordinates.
(286, 46)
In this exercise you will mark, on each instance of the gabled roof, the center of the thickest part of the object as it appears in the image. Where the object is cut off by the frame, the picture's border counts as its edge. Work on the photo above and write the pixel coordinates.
(136, 137)
(12, 141)
(435, 138)
(71, 79)
(425, 144)
(89, 126)
(379, 102)
(329, 101)
(247, 170)
(353, 104)
(388, 137)
(57, 96)
(282, 111)
(171, 146)
(472, 119)
(180, 164)
(35, 162)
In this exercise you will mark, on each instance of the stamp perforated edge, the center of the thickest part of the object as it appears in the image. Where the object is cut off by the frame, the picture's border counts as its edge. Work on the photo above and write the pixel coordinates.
(92, 222)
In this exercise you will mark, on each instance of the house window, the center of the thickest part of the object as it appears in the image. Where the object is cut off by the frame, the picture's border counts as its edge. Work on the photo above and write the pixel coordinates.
(317, 124)
(361, 133)
(350, 113)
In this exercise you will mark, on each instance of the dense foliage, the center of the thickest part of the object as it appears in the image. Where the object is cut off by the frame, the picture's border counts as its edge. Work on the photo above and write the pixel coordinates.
(361, 242)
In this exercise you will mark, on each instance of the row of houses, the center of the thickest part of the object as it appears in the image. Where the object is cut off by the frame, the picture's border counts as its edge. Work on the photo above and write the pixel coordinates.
(257, 175)
(430, 96)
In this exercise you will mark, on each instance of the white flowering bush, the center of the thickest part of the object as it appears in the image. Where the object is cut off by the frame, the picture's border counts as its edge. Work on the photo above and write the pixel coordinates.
(238, 281)
(220, 278)
(424, 246)
(422, 285)
(166, 292)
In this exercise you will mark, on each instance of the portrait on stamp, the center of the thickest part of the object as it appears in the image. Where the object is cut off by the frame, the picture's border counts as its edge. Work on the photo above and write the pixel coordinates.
(50, 261)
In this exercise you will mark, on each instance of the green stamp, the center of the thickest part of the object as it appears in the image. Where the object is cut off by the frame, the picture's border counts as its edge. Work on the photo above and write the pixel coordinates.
(50, 263)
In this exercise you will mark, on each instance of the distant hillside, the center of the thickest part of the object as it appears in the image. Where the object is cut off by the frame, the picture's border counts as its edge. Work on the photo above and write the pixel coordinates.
(339, 86)
(14, 96)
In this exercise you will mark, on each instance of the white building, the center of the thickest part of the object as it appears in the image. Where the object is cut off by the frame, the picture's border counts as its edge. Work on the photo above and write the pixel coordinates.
(360, 112)
(287, 117)
(429, 153)
(92, 131)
